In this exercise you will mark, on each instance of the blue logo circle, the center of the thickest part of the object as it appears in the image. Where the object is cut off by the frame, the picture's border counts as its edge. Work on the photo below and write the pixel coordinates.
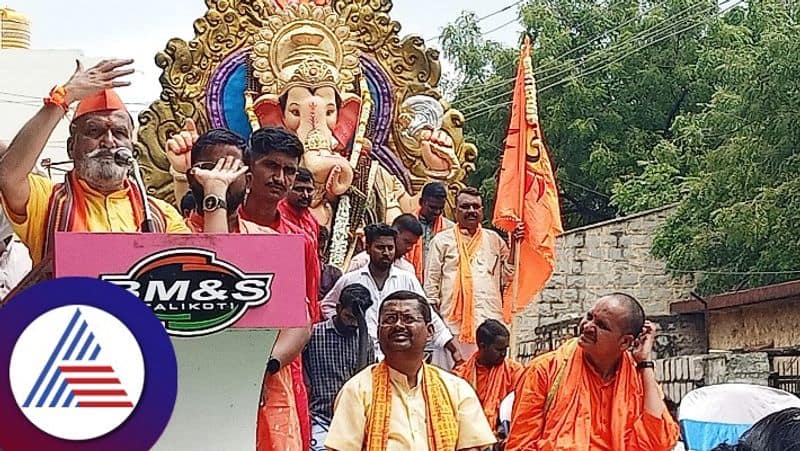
(77, 349)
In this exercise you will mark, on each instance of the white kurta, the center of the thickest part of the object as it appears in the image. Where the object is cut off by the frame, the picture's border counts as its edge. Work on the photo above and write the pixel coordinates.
(491, 272)
(15, 263)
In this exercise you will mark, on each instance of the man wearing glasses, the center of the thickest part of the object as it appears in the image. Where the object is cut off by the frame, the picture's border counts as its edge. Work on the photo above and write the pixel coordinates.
(402, 403)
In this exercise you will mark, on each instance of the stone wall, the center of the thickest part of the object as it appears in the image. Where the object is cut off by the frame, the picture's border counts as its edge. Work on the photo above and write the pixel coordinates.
(771, 325)
(602, 258)
(680, 375)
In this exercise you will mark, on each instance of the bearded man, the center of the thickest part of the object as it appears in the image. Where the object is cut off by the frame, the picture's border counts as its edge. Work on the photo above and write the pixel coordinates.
(96, 195)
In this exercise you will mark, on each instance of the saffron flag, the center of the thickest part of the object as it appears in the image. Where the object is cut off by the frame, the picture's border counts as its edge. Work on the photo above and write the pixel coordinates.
(527, 193)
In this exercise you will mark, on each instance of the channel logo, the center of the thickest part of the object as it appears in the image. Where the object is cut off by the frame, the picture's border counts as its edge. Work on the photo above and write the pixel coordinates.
(89, 367)
(86, 382)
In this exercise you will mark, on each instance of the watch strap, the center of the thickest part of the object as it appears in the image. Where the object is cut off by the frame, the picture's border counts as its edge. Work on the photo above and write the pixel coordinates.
(645, 364)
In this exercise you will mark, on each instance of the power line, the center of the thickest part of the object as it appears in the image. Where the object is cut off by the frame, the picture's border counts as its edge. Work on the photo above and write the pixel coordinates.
(481, 111)
(585, 188)
(544, 68)
(639, 37)
(477, 104)
(631, 52)
(514, 20)
(501, 10)
(482, 18)
(553, 65)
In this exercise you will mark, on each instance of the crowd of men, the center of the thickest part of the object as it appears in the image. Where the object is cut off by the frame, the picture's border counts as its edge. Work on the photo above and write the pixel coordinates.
(407, 349)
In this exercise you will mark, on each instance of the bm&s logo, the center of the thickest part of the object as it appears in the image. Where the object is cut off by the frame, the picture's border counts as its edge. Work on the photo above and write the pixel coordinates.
(192, 291)
(89, 367)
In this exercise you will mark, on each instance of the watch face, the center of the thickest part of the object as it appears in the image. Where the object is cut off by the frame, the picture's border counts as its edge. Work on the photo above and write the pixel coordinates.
(210, 203)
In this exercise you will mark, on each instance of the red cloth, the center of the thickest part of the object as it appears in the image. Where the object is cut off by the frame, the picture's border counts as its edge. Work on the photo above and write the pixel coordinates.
(301, 218)
(282, 226)
(491, 384)
(313, 271)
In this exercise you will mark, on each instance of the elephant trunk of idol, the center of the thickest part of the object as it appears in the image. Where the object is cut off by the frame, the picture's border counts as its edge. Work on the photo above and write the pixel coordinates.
(331, 171)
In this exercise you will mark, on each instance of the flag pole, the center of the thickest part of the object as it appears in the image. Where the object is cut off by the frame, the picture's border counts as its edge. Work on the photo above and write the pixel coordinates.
(514, 297)
(514, 242)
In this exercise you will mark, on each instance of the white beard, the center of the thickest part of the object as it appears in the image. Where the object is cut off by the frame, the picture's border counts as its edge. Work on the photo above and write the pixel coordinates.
(99, 172)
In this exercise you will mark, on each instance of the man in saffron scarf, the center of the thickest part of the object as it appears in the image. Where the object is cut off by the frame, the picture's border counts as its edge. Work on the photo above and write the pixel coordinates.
(402, 403)
(96, 195)
(273, 158)
(466, 271)
(431, 217)
(596, 392)
(491, 374)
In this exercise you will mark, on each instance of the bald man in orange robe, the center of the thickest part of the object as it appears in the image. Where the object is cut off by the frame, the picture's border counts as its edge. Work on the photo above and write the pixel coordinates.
(491, 374)
(595, 392)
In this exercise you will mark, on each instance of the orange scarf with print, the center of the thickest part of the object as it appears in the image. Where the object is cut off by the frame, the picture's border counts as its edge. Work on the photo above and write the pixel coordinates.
(67, 209)
(415, 254)
(442, 423)
(463, 310)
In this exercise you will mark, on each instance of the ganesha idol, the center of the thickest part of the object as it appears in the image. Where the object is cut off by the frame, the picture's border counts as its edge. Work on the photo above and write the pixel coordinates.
(363, 102)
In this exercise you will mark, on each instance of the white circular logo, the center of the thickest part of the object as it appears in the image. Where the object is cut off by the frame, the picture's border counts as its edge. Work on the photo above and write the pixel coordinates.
(77, 372)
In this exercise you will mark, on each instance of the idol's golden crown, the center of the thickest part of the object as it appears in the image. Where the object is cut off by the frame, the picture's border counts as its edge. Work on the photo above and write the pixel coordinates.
(305, 45)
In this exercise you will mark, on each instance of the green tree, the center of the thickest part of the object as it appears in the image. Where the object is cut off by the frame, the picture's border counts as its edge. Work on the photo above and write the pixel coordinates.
(735, 164)
(612, 78)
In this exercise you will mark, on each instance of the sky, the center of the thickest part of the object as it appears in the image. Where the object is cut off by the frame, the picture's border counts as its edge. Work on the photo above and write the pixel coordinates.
(139, 29)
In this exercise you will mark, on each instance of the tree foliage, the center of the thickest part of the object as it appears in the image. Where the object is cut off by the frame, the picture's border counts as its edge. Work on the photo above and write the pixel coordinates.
(738, 165)
(612, 77)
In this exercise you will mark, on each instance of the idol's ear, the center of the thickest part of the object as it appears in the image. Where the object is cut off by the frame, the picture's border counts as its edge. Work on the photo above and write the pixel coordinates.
(268, 110)
(347, 120)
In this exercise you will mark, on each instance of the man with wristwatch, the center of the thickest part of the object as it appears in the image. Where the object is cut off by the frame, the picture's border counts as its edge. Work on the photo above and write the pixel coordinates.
(597, 391)
(249, 205)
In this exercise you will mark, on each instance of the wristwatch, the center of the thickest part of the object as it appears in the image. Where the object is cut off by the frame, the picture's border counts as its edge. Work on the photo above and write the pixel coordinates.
(213, 202)
(273, 365)
(645, 364)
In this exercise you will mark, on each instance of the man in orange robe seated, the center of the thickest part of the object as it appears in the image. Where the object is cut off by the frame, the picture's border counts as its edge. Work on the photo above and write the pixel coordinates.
(595, 392)
(96, 195)
(273, 158)
(491, 374)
